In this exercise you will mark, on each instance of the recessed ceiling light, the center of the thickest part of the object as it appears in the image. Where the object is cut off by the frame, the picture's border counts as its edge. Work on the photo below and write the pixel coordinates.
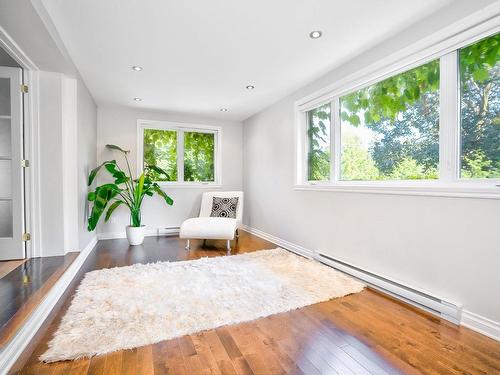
(315, 34)
(137, 68)
(250, 87)
(138, 99)
(223, 109)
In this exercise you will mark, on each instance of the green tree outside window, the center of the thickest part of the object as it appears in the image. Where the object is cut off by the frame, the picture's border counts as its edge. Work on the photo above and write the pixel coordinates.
(390, 130)
(199, 156)
(160, 149)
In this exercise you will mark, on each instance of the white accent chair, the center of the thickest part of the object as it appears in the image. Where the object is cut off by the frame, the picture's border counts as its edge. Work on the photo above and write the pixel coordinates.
(206, 227)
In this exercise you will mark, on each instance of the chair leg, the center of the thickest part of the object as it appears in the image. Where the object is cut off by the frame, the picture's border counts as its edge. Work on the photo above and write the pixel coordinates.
(237, 234)
(228, 247)
(188, 247)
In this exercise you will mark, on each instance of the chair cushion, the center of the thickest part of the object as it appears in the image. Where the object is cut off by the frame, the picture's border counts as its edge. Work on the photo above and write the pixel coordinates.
(221, 228)
(224, 207)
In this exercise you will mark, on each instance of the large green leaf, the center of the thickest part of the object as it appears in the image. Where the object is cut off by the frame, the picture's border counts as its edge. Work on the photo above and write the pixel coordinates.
(480, 75)
(161, 193)
(158, 170)
(93, 172)
(119, 176)
(117, 148)
(112, 208)
(103, 194)
(139, 189)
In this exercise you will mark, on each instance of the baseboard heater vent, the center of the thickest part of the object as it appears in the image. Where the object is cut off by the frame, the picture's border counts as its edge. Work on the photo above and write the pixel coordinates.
(167, 231)
(445, 309)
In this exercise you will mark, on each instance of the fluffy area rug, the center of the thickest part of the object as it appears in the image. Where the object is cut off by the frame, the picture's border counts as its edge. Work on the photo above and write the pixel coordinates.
(126, 307)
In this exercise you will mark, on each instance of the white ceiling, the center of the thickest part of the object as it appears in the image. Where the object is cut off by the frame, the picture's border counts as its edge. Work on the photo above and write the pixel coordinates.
(198, 55)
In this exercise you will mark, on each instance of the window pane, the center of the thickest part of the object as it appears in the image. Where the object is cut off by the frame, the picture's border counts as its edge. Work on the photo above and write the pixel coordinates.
(480, 109)
(6, 218)
(199, 156)
(390, 130)
(160, 149)
(318, 135)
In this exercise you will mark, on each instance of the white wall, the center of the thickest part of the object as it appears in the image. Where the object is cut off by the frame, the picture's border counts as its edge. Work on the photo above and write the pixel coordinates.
(67, 128)
(447, 246)
(87, 157)
(118, 126)
(51, 168)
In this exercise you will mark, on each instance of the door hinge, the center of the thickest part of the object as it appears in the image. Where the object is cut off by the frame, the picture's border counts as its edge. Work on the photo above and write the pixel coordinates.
(24, 89)
(25, 163)
(26, 237)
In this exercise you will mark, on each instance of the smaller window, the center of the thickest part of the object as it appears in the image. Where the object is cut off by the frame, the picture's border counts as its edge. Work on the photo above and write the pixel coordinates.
(187, 154)
(479, 66)
(318, 135)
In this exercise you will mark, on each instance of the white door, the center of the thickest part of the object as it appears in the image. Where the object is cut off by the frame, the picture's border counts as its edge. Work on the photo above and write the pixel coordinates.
(11, 171)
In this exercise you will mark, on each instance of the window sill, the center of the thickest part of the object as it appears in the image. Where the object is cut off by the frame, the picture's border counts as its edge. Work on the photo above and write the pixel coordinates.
(187, 185)
(458, 190)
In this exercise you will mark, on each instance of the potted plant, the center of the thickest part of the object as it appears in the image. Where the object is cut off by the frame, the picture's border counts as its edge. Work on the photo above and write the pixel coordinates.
(124, 191)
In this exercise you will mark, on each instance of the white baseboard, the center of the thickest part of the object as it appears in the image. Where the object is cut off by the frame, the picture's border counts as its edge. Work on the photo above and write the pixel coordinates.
(444, 309)
(481, 324)
(279, 241)
(14, 348)
(148, 233)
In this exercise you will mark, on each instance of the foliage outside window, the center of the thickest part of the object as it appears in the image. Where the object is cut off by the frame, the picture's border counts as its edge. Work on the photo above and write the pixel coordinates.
(318, 134)
(195, 164)
(160, 149)
(390, 130)
(479, 66)
(199, 156)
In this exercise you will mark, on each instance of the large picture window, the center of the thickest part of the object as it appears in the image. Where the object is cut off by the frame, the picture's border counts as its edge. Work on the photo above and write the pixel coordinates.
(434, 125)
(189, 154)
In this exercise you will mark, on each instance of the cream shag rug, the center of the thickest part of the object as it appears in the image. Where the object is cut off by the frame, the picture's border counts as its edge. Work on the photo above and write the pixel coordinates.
(127, 307)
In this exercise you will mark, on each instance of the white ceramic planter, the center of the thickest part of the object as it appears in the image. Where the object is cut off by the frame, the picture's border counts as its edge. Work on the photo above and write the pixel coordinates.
(135, 235)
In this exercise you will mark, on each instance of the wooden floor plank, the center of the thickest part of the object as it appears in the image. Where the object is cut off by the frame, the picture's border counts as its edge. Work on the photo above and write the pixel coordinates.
(365, 333)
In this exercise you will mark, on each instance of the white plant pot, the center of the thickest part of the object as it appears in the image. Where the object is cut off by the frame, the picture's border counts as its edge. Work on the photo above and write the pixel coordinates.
(135, 235)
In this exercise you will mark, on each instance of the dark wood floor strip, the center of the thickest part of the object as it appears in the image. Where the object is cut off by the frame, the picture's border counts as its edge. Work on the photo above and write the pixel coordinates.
(23, 289)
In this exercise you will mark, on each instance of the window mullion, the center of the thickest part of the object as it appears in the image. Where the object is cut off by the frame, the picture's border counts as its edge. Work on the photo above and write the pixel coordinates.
(305, 153)
(335, 141)
(304, 149)
(449, 124)
(180, 155)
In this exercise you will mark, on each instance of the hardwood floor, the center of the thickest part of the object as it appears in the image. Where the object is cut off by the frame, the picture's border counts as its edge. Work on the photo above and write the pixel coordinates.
(22, 289)
(365, 333)
(6, 266)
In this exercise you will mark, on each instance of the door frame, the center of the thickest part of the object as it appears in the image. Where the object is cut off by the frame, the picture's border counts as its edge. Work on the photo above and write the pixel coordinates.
(31, 146)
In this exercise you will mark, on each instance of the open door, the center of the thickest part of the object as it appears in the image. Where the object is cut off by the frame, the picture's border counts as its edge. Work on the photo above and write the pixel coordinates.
(11, 169)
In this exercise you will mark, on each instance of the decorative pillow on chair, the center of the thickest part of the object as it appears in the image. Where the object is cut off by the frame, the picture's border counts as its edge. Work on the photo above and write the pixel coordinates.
(224, 207)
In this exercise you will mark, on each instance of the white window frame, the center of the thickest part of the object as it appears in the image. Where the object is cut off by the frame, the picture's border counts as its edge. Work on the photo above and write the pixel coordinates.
(181, 128)
(449, 183)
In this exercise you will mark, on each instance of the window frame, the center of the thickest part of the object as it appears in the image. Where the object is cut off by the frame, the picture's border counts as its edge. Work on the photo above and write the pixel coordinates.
(180, 128)
(449, 182)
